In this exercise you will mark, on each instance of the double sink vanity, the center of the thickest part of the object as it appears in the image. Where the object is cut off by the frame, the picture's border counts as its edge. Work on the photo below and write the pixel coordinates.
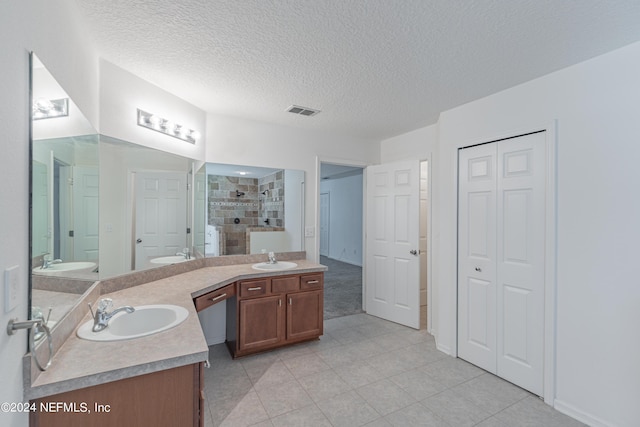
(150, 376)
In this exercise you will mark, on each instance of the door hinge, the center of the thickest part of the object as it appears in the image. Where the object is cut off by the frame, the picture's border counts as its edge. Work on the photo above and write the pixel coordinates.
(70, 233)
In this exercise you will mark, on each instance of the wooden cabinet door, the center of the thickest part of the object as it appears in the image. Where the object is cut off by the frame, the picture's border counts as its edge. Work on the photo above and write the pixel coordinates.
(260, 323)
(304, 315)
(163, 398)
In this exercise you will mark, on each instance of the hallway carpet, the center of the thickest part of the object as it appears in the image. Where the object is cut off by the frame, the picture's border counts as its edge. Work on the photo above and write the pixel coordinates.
(342, 288)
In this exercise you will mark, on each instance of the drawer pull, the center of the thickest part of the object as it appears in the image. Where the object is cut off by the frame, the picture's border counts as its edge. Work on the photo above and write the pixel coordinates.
(313, 282)
(257, 288)
(218, 297)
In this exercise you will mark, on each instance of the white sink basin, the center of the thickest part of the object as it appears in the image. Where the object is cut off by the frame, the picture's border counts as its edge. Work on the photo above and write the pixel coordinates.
(173, 259)
(280, 265)
(65, 267)
(146, 320)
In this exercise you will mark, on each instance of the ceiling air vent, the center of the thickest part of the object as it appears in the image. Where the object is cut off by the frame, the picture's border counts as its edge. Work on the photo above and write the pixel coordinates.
(303, 111)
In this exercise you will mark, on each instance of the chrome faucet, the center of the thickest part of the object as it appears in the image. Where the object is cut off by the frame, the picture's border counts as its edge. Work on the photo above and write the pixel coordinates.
(272, 258)
(185, 253)
(46, 262)
(101, 317)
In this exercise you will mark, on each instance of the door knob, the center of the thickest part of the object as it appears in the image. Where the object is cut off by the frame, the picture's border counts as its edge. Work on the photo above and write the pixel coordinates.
(478, 269)
(413, 252)
(139, 241)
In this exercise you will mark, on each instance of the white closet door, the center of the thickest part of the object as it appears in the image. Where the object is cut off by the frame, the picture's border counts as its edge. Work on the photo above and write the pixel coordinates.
(501, 233)
(477, 256)
(520, 273)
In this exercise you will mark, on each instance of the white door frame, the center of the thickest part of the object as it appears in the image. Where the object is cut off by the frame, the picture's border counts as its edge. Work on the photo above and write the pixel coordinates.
(550, 286)
(328, 222)
(316, 221)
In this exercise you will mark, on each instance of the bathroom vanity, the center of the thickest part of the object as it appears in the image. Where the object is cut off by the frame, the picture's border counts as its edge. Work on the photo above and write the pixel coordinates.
(158, 379)
(270, 312)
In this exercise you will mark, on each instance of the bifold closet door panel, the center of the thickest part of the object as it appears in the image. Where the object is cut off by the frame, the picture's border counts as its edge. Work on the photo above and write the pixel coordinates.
(477, 256)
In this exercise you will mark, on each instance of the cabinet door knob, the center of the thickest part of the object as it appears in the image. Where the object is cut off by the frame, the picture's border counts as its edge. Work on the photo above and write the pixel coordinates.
(289, 301)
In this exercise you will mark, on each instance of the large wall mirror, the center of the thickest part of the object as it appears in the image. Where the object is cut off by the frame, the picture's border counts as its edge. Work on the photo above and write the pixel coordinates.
(64, 202)
(102, 207)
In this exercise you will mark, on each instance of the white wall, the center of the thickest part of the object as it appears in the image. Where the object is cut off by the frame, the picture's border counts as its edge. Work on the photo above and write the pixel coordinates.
(246, 142)
(294, 181)
(418, 144)
(51, 30)
(122, 93)
(345, 218)
(598, 293)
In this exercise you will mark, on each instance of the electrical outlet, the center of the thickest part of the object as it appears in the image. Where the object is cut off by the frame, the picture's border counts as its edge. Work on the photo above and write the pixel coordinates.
(11, 288)
(309, 231)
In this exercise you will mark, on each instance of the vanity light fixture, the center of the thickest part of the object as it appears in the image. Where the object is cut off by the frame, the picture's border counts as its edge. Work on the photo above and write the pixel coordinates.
(167, 127)
(50, 108)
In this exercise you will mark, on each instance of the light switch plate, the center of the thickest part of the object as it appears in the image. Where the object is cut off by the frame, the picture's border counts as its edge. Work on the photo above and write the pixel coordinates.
(309, 231)
(11, 288)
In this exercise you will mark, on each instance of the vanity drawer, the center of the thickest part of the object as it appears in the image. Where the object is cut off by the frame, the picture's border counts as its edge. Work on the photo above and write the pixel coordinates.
(214, 297)
(280, 285)
(311, 281)
(253, 288)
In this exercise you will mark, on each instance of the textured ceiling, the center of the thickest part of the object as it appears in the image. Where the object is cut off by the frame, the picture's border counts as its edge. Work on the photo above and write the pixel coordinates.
(376, 68)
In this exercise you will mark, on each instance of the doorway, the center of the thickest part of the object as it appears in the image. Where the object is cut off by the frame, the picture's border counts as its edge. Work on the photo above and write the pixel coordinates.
(341, 238)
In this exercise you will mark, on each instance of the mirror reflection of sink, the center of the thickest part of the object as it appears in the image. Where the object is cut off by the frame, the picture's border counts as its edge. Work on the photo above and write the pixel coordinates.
(146, 320)
(173, 259)
(64, 267)
(280, 265)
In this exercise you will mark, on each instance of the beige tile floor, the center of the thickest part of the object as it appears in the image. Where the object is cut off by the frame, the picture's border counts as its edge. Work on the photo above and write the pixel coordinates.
(365, 371)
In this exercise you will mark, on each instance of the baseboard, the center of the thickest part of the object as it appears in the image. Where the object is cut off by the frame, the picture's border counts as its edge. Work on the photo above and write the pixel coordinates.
(580, 415)
(443, 348)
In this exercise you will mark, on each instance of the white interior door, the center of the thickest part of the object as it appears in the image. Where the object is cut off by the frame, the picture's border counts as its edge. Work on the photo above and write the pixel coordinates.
(392, 270)
(86, 225)
(501, 231)
(324, 224)
(160, 215)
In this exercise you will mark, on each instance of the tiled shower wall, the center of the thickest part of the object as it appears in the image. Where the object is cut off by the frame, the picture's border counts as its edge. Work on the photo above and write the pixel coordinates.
(248, 210)
(272, 203)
